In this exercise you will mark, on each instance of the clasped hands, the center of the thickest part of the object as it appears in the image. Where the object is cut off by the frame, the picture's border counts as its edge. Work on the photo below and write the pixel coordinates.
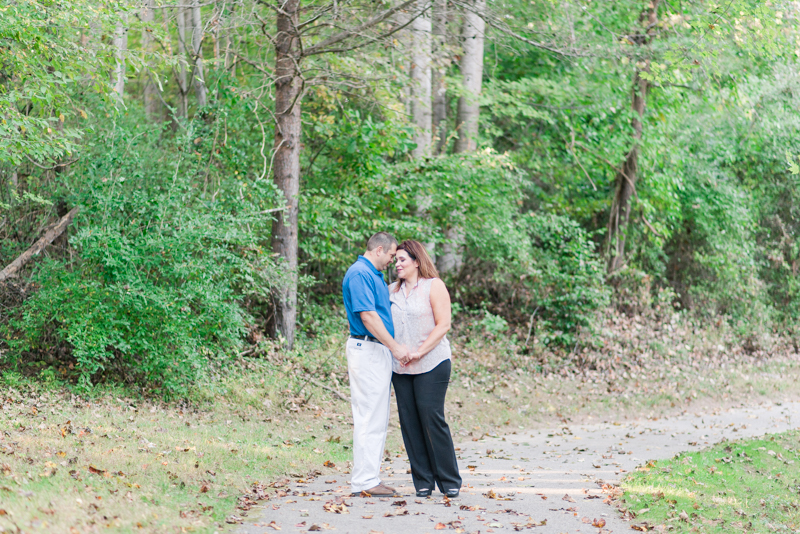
(404, 356)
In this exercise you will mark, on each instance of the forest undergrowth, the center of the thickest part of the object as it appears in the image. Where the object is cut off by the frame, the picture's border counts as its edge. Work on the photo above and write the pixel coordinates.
(77, 463)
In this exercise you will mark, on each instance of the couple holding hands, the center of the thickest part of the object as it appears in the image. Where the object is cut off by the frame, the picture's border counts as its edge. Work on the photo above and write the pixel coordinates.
(398, 336)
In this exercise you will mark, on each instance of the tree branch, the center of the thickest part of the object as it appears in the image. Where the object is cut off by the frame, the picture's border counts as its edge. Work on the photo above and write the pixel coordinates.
(323, 46)
(37, 247)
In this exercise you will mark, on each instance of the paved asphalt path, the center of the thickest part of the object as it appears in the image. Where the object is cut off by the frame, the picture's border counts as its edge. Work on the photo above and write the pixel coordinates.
(543, 475)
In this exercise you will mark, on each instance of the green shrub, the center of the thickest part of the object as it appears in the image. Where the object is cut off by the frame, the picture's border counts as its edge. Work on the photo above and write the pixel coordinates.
(163, 270)
(567, 276)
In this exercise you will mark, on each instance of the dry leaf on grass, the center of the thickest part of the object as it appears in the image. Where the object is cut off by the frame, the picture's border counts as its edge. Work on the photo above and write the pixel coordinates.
(330, 464)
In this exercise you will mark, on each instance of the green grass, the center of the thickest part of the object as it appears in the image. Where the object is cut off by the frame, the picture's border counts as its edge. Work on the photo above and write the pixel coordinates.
(749, 485)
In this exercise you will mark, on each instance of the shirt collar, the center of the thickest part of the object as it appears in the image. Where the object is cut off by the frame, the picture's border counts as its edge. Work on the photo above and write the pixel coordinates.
(365, 260)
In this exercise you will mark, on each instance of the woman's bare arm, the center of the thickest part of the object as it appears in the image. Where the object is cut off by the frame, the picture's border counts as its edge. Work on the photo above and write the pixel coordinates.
(440, 302)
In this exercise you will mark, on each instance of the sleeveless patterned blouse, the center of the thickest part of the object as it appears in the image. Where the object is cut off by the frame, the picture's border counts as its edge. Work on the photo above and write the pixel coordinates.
(412, 315)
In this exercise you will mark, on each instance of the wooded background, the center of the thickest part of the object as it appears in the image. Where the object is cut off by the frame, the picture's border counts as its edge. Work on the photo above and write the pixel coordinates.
(200, 175)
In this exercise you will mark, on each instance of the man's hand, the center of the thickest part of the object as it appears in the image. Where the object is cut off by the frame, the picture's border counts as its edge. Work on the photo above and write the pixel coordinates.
(401, 354)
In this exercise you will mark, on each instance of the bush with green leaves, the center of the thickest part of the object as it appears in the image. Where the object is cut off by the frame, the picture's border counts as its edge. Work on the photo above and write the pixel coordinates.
(163, 271)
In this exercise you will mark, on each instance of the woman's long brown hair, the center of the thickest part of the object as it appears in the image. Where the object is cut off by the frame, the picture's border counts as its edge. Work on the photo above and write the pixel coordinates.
(417, 252)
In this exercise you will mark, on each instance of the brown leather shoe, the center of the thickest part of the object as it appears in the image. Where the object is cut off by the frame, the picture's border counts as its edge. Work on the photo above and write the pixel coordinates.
(380, 491)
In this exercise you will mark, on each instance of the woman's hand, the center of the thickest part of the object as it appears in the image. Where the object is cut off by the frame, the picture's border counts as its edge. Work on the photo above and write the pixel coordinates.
(412, 357)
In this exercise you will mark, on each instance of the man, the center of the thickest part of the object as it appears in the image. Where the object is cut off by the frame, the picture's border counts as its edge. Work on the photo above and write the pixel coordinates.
(369, 360)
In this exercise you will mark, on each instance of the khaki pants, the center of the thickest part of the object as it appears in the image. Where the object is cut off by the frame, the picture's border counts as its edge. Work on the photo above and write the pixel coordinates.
(369, 366)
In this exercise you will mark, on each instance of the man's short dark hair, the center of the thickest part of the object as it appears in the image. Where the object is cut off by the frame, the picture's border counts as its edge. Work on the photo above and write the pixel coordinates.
(381, 239)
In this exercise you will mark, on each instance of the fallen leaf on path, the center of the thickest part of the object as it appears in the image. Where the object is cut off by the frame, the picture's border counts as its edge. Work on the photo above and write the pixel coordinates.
(491, 494)
(366, 516)
(315, 528)
(567, 498)
(330, 464)
(337, 506)
(399, 503)
(300, 525)
(273, 525)
(440, 526)
(233, 519)
(599, 523)
(585, 520)
(398, 512)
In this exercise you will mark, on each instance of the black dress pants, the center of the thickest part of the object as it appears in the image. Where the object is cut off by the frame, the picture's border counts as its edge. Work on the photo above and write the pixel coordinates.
(420, 405)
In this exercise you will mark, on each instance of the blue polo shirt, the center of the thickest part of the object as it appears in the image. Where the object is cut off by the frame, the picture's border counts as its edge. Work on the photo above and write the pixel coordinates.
(364, 289)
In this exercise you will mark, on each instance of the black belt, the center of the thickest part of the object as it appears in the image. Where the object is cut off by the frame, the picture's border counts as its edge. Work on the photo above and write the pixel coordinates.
(367, 338)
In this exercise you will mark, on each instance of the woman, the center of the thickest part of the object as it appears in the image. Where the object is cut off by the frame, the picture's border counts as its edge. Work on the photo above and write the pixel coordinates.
(421, 316)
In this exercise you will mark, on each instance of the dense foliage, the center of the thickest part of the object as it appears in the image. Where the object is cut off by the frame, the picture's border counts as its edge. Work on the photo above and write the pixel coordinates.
(169, 265)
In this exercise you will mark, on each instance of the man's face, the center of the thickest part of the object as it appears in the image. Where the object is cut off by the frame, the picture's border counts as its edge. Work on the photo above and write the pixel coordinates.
(385, 258)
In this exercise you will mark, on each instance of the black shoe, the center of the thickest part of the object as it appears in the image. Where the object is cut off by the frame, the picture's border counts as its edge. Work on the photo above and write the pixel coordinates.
(452, 493)
(425, 492)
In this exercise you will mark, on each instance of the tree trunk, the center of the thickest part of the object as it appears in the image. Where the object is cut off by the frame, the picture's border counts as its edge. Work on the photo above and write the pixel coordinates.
(627, 176)
(197, 51)
(472, 36)
(120, 49)
(183, 54)
(152, 102)
(286, 163)
(421, 112)
(439, 72)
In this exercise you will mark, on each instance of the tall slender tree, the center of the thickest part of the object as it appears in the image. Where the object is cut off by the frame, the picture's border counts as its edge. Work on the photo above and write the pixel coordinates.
(421, 112)
(472, 38)
(152, 100)
(183, 66)
(440, 61)
(628, 174)
(198, 75)
(120, 51)
(451, 257)
(290, 53)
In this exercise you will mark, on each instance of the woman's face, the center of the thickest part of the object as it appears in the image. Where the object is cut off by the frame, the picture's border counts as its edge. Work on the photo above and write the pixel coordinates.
(405, 266)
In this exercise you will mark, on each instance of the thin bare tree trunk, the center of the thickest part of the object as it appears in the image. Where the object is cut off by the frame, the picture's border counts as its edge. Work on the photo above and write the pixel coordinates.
(200, 89)
(286, 162)
(37, 247)
(628, 175)
(120, 49)
(421, 111)
(451, 255)
(439, 72)
(183, 54)
(468, 114)
(152, 102)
